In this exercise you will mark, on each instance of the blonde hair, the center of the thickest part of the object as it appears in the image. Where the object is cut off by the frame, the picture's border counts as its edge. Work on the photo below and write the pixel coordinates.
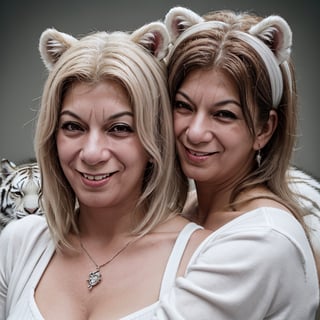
(93, 59)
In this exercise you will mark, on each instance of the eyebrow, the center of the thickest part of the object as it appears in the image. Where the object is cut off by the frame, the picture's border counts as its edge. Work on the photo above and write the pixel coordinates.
(218, 104)
(112, 117)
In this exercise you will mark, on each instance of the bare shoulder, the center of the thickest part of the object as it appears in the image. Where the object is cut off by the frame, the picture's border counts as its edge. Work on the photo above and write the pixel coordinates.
(170, 230)
(176, 224)
(198, 237)
(194, 242)
(173, 225)
(260, 197)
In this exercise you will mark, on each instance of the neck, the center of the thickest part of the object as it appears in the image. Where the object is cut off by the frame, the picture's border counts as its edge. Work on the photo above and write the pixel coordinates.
(214, 208)
(213, 198)
(215, 195)
(214, 205)
(105, 225)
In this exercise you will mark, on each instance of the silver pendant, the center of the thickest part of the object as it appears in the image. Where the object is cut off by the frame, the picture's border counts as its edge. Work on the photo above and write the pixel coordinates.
(94, 278)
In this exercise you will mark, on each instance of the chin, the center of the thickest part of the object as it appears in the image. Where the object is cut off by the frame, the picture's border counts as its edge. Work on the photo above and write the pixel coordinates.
(94, 203)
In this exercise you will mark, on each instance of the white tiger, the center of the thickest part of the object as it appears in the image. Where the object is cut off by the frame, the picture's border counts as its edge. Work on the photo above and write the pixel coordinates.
(20, 191)
(307, 189)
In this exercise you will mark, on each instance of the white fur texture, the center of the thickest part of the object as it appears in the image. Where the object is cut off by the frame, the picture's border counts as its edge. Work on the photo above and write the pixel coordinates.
(20, 191)
(53, 44)
(154, 37)
(179, 19)
(275, 30)
(307, 189)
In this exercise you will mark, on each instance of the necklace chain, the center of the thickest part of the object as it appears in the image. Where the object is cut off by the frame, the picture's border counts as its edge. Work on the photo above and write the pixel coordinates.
(95, 277)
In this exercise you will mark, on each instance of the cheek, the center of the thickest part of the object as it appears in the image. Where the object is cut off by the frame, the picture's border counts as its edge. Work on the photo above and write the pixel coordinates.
(65, 148)
(179, 124)
(135, 149)
(60, 141)
(240, 142)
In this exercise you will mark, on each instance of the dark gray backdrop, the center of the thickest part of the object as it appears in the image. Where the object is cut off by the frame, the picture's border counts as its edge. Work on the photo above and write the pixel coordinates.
(23, 74)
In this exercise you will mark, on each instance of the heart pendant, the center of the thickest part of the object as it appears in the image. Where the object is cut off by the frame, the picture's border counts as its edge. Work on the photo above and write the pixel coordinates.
(94, 278)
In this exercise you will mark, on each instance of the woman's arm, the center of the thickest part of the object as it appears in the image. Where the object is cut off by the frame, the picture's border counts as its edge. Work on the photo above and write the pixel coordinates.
(247, 273)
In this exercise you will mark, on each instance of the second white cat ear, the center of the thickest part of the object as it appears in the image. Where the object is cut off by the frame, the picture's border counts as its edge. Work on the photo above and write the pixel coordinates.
(154, 37)
(275, 32)
(179, 19)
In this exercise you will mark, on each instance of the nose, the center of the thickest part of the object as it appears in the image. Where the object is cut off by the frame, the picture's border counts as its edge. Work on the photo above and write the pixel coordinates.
(31, 198)
(199, 130)
(95, 149)
(30, 210)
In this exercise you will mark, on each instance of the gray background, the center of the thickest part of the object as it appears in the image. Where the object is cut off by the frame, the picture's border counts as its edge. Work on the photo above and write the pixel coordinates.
(23, 74)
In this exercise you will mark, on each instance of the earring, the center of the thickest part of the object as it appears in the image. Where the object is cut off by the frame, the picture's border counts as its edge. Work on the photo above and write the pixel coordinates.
(258, 158)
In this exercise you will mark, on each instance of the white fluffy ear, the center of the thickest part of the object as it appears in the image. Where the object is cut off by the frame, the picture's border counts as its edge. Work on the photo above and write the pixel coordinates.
(7, 167)
(275, 32)
(154, 37)
(52, 45)
(178, 19)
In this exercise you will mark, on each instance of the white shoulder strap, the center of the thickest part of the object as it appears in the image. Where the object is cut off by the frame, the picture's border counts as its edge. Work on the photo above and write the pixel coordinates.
(175, 257)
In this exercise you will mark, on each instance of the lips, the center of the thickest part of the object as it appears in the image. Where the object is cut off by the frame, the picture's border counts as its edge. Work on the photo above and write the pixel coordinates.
(96, 177)
(196, 157)
(199, 154)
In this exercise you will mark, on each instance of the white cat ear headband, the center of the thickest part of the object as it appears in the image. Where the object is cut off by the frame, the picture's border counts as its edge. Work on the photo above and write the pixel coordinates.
(153, 37)
(271, 38)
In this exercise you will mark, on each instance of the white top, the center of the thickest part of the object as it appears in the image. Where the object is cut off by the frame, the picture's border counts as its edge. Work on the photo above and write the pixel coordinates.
(25, 251)
(258, 266)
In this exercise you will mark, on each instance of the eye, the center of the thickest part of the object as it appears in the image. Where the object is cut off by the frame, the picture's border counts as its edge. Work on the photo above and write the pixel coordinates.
(17, 193)
(71, 126)
(225, 115)
(120, 129)
(181, 106)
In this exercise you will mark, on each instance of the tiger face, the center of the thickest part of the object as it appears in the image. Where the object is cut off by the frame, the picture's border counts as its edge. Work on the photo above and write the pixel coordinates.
(20, 191)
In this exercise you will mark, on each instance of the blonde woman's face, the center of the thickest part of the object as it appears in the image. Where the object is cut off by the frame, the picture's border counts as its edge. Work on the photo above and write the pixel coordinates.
(212, 138)
(98, 147)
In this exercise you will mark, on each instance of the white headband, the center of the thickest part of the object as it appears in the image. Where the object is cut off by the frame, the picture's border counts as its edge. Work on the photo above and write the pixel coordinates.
(272, 60)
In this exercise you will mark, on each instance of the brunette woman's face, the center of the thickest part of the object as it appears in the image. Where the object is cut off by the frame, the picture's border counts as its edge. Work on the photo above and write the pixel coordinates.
(98, 146)
(213, 141)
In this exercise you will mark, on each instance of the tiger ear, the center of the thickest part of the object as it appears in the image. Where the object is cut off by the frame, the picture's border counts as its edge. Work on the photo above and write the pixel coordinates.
(179, 19)
(154, 37)
(52, 45)
(7, 167)
(275, 32)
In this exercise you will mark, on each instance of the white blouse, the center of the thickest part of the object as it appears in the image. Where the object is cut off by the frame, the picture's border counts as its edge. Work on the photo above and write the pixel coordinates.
(258, 266)
(25, 251)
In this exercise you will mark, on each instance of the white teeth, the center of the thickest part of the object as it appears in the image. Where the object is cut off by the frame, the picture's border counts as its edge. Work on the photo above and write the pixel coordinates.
(198, 154)
(96, 178)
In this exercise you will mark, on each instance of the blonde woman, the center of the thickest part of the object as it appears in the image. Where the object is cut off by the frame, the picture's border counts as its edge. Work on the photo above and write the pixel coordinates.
(112, 242)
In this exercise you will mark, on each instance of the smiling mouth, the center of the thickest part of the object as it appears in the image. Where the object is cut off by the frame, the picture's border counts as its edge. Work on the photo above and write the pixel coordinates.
(97, 177)
(200, 154)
